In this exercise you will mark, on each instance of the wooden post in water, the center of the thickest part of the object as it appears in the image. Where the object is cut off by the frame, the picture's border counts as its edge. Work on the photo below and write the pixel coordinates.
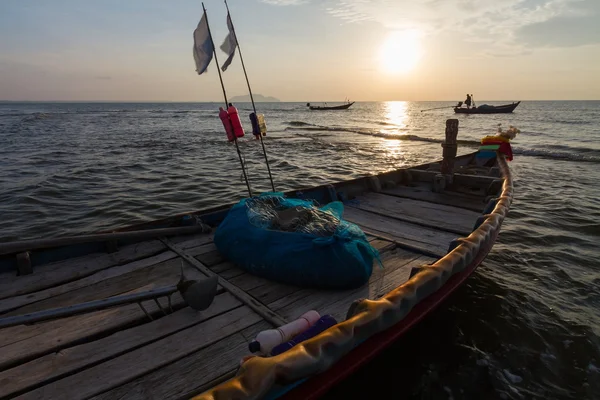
(450, 147)
(444, 178)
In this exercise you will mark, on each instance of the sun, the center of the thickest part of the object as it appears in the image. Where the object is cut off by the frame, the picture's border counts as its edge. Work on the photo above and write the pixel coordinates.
(401, 52)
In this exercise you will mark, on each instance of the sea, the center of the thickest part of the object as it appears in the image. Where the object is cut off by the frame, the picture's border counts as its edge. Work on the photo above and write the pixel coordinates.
(526, 325)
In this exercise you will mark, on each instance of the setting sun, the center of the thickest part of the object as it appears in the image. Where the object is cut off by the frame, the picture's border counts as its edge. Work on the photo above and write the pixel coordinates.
(400, 52)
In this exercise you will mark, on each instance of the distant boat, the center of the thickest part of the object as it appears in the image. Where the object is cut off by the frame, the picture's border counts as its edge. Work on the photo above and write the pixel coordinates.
(485, 109)
(340, 107)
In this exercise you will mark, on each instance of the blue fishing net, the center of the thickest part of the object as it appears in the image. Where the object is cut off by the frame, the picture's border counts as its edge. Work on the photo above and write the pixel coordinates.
(293, 241)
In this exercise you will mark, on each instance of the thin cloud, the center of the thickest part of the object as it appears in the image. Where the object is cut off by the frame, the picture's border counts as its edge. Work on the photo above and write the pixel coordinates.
(285, 2)
(488, 21)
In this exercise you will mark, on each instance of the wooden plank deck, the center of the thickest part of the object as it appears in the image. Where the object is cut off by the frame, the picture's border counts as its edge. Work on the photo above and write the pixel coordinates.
(418, 236)
(119, 353)
(431, 215)
(422, 191)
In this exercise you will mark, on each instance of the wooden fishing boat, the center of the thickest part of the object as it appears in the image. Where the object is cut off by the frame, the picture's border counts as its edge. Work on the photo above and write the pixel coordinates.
(433, 224)
(324, 108)
(503, 109)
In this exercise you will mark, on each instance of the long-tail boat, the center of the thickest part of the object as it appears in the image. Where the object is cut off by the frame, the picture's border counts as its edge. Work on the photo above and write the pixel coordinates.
(326, 108)
(487, 109)
(111, 315)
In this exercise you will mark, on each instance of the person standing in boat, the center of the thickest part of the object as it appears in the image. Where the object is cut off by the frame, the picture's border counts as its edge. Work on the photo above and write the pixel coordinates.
(468, 101)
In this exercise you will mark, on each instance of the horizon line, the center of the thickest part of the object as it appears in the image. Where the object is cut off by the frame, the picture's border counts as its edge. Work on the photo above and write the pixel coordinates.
(281, 101)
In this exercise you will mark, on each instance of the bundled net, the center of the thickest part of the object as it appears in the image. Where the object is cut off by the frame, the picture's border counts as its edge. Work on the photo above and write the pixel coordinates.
(295, 242)
(287, 215)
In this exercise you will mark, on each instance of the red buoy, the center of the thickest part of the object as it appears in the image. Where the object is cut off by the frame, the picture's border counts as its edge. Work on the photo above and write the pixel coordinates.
(234, 116)
(226, 124)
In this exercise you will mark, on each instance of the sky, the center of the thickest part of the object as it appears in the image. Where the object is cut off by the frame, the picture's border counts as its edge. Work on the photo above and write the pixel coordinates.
(302, 50)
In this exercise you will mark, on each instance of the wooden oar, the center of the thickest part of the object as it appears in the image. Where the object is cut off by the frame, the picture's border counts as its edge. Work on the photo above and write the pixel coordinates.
(199, 295)
(438, 108)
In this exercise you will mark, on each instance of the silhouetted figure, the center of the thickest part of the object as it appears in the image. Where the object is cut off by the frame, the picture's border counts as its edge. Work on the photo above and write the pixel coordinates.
(468, 101)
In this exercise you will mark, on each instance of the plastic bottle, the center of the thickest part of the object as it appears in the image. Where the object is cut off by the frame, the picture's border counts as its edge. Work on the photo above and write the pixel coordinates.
(325, 322)
(266, 340)
(224, 115)
(259, 127)
(234, 116)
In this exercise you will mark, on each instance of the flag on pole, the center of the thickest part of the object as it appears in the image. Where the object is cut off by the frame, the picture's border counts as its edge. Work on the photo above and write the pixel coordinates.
(203, 46)
(229, 44)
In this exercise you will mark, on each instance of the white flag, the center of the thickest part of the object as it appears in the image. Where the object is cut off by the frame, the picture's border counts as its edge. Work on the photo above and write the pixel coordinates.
(229, 44)
(203, 46)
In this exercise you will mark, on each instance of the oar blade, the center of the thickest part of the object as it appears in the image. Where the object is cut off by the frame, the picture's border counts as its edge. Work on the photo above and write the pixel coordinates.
(199, 295)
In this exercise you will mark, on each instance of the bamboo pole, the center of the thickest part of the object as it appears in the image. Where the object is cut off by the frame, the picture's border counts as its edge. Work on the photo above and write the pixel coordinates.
(237, 146)
(251, 96)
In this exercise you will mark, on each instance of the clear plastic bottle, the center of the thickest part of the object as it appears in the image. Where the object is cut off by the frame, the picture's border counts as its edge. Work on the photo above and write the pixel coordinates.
(266, 340)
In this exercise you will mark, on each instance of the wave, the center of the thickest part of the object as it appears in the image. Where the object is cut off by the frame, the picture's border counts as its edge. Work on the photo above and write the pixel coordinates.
(571, 122)
(13, 115)
(391, 136)
(583, 150)
(555, 152)
(36, 116)
(558, 155)
(300, 123)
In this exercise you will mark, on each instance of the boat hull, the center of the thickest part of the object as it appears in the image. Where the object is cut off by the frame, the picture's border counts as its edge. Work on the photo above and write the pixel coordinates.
(504, 109)
(411, 220)
(342, 369)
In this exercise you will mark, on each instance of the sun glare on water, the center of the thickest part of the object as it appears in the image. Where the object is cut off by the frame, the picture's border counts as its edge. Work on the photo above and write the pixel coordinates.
(401, 52)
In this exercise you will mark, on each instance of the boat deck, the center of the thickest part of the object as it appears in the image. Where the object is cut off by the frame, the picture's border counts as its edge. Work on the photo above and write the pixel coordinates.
(121, 353)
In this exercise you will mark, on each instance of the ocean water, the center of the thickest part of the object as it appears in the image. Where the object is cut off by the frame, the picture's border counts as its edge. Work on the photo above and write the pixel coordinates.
(526, 325)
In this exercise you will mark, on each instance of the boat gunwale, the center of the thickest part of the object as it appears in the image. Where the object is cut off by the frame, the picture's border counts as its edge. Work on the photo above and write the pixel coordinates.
(211, 216)
(258, 375)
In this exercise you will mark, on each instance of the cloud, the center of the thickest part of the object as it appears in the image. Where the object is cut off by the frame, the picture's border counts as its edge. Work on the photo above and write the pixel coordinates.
(285, 2)
(508, 23)
(568, 30)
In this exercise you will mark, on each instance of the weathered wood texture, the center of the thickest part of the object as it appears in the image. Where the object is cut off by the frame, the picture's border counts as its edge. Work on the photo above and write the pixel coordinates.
(422, 191)
(75, 268)
(471, 181)
(397, 265)
(419, 236)
(268, 291)
(112, 238)
(12, 303)
(244, 297)
(189, 241)
(190, 375)
(70, 360)
(436, 216)
(118, 353)
(134, 364)
(21, 343)
(113, 286)
(449, 146)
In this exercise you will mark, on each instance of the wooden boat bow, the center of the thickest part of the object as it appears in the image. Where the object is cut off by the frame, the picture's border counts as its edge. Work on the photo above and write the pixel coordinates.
(369, 318)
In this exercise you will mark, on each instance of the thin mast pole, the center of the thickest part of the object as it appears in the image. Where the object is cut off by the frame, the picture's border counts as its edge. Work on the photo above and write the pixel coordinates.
(251, 96)
(226, 102)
